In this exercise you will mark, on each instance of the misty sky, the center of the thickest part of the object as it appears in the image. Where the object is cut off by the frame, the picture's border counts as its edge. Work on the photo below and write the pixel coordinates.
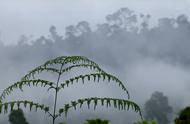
(34, 17)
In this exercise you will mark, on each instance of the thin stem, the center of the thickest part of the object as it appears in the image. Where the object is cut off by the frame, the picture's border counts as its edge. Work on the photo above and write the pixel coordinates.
(56, 92)
(50, 114)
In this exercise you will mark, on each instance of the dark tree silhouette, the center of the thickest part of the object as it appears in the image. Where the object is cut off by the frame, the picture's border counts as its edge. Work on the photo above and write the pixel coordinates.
(17, 117)
(157, 107)
(97, 121)
(184, 116)
(146, 122)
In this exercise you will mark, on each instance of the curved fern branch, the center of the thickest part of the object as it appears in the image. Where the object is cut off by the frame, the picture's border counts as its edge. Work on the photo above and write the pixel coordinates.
(90, 66)
(39, 70)
(5, 106)
(96, 78)
(20, 84)
(63, 60)
(57, 60)
(120, 104)
(54, 70)
(69, 59)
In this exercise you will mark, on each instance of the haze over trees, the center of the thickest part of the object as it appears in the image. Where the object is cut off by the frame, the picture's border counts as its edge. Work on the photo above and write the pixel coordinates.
(128, 32)
(158, 108)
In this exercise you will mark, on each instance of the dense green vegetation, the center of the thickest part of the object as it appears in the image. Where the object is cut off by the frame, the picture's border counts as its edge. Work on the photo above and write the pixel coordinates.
(146, 122)
(17, 117)
(97, 121)
(184, 116)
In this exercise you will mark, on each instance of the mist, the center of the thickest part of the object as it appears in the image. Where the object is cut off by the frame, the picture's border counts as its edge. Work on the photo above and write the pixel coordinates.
(147, 57)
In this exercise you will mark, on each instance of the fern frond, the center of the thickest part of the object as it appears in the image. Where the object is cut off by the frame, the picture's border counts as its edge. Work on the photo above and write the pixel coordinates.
(20, 84)
(39, 70)
(57, 60)
(96, 78)
(16, 104)
(67, 63)
(69, 59)
(62, 60)
(120, 104)
(90, 66)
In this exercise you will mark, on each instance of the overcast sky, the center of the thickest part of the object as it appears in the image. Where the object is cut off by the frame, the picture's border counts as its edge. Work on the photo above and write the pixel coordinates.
(34, 17)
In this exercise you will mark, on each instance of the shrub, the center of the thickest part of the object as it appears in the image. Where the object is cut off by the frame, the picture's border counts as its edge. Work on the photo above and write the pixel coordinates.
(184, 116)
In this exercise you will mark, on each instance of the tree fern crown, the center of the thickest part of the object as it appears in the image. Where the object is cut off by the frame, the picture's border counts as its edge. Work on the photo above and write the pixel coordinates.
(61, 65)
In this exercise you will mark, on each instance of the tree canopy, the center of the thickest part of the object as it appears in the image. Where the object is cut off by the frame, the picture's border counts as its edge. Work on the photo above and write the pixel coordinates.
(184, 116)
(157, 107)
(17, 117)
(97, 121)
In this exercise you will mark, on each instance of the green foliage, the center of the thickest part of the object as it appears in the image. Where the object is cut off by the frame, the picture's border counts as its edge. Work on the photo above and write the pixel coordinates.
(97, 121)
(184, 116)
(62, 123)
(96, 77)
(157, 107)
(66, 64)
(146, 122)
(20, 84)
(121, 104)
(17, 117)
(16, 105)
